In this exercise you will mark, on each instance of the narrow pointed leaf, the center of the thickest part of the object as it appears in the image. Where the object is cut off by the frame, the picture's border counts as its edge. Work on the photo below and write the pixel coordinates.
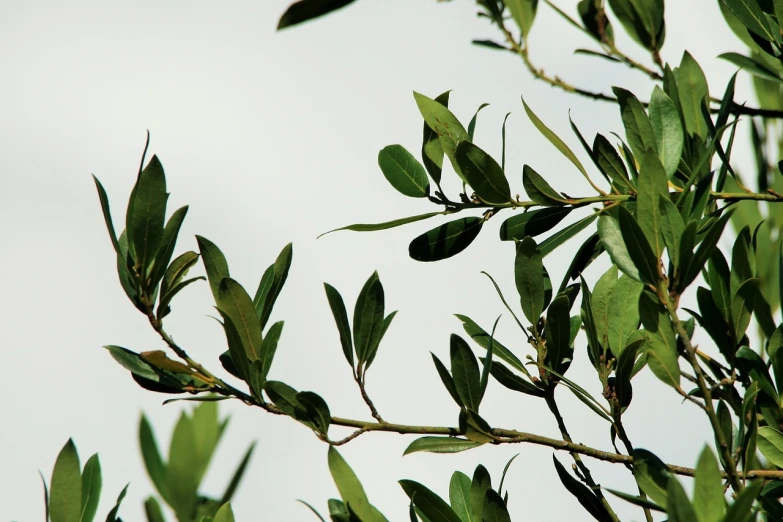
(440, 445)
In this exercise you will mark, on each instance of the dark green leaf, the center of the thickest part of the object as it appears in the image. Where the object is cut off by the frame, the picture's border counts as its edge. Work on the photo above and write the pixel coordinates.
(528, 268)
(440, 445)
(472, 124)
(372, 227)
(623, 373)
(269, 347)
(639, 249)
(749, 13)
(638, 501)
(609, 161)
(446, 240)
(483, 174)
(268, 291)
(538, 190)
(753, 66)
(595, 21)
(403, 171)
(740, 510)
(430, 504)
(482, 338)
(236, 478)
(480, 484)
(235, 304)
(652, 186)
(465, 372)
(112, 516)
(146, 215)
(585, 497)
(514, 382)
(153, 510)
(672, 227)
(548, 245)
(532, 223)
(495, 508)
(368, 318)
(167, 244)
(316, 410)
(214, 263)
(643, 21)
(341, 319)
(448, 380)
(742, 306)
(104, 199)
(638, 129)
(558, 334)
(65, 499)
(305, 10)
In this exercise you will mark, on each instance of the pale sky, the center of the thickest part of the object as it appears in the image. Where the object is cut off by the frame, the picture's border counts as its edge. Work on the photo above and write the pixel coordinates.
(270, 138)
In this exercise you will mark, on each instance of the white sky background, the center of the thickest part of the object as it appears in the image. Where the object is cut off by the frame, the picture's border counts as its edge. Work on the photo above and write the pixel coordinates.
(270, 138)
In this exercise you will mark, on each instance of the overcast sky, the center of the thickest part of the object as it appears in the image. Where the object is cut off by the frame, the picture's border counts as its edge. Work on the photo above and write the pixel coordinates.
(270, 138)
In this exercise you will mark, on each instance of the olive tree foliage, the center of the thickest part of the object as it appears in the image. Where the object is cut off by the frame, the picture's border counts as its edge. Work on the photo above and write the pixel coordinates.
(662, 197)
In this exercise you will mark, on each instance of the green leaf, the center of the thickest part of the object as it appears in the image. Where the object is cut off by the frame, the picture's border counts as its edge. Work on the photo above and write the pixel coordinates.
(642, 20)
(638, 501)
(447, 379)
(156, 468)
(483, 174)
(548, 245)
(487, 362)
(495, 508)
(104, 199)
(305, 10)
(269, 347)
(638, 129)
(692, 88)
(167, 244)
(624, 373)
(181, 474)
(666, 126)
(132, 362)
(224, 514)
(440, 445)
(612, 239)
(609, 161)
(704, 251)
(431, 149)
(236, 478)
(555, 140)
(373, 227)
(679, 507)
(532, 223)
(538, 190)
(660, 349)
(214, 263)
(483, 339)
(465, 372)
(368, 318)
(268, 291)
(153, 510)
(558, 333)
(316, 410)
(350, 488)
(740, 510)
(708, 500)
(652, 476)
(174, 274)
(459, 497)
(146, 215)
(742, 306)
(514, 382)
(65, 499)
(749, 13)
(652, 185)
(622, 313)
(403, 171)
(479, 485)
(672, 227)
(448, 128)
(638, 248)
(595, 21)
(236, 305)
(236, 349)
(770, 442)
(341, 319)
(446, 240)
(523, 12)
(594, 324)
(112, 516)
(528, 268)
(431, 505)
(753, 66)
(312, 509)
(586, 498)
(91, 488)
(472, 124)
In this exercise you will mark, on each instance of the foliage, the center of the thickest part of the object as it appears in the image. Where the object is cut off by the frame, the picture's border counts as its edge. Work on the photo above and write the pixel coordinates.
(663, 198)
